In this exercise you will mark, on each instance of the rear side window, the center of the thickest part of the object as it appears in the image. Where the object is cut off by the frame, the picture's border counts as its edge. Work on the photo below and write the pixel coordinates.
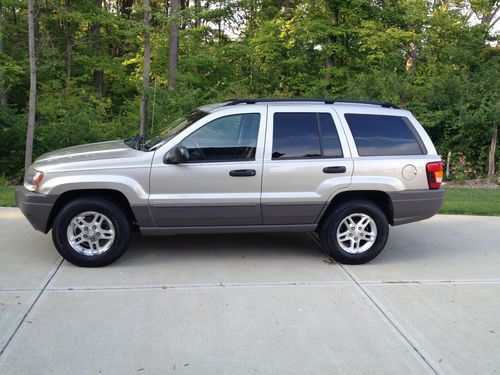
(299, 135)
(381, 135)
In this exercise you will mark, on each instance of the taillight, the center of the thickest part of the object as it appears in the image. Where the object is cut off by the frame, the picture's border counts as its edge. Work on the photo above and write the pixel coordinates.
(434, 174)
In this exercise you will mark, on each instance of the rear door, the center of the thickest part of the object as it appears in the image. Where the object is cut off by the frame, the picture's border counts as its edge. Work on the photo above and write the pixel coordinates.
(307, 159)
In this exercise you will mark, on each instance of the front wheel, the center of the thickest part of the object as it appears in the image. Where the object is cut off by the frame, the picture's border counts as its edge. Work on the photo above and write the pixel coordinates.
(355, 232)
(91, 232)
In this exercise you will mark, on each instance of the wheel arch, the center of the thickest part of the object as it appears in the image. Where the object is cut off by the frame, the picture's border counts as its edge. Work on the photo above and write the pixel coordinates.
(114, 196)
(380, 198)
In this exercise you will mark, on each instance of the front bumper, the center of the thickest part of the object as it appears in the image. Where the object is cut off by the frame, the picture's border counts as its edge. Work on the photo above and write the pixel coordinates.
(36, 207)
(414, 205)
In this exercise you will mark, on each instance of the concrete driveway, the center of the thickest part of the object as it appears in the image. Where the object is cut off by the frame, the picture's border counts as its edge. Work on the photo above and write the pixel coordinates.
(260, 303)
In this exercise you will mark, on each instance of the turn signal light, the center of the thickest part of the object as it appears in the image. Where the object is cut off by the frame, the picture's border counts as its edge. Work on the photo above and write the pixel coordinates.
(434, 174)
(37, 180)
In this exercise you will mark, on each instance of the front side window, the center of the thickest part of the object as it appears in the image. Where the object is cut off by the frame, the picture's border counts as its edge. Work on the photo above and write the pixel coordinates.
(305, 135)
(382, 135)
(230, 138)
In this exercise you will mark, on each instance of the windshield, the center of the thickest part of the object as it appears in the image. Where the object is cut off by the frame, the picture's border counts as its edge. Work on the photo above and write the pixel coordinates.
(160, 137)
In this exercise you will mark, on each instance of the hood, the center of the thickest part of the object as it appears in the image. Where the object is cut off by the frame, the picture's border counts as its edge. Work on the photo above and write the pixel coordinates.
(83, 154)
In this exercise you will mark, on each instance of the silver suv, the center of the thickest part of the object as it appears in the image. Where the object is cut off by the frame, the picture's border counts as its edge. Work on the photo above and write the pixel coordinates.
(344, 169)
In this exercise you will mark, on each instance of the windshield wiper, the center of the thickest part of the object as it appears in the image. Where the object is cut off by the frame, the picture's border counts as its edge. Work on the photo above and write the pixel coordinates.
(136, 142)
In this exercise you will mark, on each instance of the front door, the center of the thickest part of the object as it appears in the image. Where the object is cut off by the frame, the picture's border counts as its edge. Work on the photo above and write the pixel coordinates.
(220, 184)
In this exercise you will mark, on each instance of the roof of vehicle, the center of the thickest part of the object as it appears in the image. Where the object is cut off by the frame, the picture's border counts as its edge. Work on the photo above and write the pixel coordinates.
(213, 107)
(304, 101)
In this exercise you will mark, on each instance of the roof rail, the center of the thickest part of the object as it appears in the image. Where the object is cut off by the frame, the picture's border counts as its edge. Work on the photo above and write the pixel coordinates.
(318, 100)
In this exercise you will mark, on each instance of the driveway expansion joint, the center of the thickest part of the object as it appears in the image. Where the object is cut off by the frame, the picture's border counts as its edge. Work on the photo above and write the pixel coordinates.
(429, 282)
(203, 286)
(32, 306)
(424, 358)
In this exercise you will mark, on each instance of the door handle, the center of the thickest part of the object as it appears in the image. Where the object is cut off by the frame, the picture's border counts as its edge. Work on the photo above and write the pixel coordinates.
(242, 173)
(335, 169)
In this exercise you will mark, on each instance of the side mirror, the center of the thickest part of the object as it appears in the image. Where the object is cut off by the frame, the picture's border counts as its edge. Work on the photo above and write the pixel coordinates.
(178, 154)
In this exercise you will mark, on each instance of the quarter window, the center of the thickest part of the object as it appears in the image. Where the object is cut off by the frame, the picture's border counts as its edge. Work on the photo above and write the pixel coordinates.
(228, 138)
(382, 135)
(299, 135)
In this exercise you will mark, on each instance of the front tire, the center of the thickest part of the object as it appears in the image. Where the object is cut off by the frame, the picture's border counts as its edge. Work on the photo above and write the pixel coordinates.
(91, 232)
(355, 232)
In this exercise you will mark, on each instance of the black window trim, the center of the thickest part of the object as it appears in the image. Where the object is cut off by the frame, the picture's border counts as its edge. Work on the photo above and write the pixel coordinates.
(320, 135)
(219, 160)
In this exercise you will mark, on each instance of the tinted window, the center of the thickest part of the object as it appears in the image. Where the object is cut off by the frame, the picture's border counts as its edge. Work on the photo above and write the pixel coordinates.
(305, 135)
(329, 136)
(227, 138)
(377, 135)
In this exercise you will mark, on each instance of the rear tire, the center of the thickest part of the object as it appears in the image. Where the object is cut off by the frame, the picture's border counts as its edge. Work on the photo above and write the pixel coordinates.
(91, 232)
(355, 232)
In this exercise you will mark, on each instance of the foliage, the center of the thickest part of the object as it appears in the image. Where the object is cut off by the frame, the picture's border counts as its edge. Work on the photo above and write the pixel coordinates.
(435, 58)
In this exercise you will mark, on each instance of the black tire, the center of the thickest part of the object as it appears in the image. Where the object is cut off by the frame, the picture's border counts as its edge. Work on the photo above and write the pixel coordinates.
(118, 218)
(328, 233)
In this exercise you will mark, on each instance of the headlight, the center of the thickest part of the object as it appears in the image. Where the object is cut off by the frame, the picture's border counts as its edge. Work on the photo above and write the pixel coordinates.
(33, 179)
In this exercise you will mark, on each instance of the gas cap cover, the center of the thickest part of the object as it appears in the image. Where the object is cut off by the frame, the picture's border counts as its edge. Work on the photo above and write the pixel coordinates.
(409, 172)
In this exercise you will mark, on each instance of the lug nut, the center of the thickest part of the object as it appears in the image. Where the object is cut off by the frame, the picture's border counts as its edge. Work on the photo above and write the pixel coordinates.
(86, 228)
(94, 227)
(92, 239)
(355, 238)
(84, 236)
(360, 228)
(98, 233)
(350, 234)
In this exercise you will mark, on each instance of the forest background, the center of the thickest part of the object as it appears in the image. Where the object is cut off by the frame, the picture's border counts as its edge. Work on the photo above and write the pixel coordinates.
(110, 69)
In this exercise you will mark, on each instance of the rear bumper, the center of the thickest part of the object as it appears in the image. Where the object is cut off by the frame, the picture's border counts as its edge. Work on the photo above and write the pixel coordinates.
(36, 207)
(414, 205)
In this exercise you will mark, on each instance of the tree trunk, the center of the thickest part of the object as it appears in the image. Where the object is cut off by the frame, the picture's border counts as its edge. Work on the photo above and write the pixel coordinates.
(69, 44)
(32, 98)
(184, 5)
(145, 75)
(197, 8)
(98, 73)
(492, 153)
(173, 45)
(412, 57)
(69, 56)
(332, 40)
(329, 63)
(3, 91)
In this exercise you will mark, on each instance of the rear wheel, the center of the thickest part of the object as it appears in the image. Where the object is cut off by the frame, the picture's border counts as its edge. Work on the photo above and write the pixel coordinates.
(355, 232)
(91, 232)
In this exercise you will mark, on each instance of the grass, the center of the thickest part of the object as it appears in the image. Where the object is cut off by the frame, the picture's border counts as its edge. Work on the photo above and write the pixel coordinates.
(457, 201)
(7, 196)
(468, 201)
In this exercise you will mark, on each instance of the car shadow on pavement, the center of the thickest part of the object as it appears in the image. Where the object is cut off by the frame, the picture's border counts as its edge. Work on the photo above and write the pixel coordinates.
(223, 246)
(405, 244)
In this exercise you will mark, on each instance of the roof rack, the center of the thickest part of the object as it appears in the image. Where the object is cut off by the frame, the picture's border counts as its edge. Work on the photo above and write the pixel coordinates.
(318, 100)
